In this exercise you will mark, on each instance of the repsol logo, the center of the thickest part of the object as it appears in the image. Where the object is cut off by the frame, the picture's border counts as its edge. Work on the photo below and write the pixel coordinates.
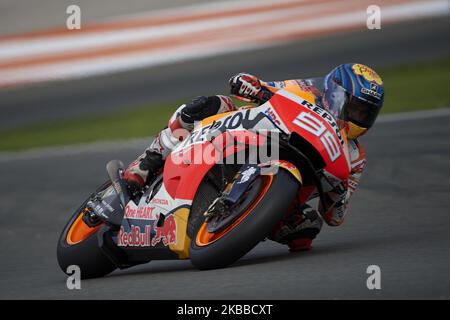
(234, 121)
(326, 116)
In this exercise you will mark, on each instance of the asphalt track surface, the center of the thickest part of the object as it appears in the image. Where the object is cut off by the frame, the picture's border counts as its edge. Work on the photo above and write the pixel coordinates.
(392, 45)
(398, 220)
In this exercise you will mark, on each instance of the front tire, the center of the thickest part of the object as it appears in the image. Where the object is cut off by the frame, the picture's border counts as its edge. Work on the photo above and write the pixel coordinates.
(258, 222)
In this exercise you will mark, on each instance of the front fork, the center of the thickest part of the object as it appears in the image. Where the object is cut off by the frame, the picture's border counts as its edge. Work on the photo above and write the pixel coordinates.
(233, 193)
(249, 172)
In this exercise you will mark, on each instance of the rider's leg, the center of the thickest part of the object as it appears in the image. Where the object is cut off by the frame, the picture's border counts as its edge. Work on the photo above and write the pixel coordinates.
(180, 124)
(299, 228)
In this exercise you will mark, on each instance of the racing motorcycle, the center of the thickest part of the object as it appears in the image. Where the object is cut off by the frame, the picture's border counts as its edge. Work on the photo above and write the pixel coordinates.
(211, 212)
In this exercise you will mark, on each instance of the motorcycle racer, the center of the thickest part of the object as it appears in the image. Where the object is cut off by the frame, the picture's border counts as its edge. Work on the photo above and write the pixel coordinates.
(352, 92)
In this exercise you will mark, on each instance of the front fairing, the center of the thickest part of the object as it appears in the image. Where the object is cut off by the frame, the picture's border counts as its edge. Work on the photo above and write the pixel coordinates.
(300, 114)
(285, 112)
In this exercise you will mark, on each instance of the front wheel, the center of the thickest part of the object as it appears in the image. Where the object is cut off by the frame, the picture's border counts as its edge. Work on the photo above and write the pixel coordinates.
(270, 199)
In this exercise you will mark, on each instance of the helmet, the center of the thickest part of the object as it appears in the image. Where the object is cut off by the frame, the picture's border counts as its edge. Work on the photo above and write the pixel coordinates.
(354, 94)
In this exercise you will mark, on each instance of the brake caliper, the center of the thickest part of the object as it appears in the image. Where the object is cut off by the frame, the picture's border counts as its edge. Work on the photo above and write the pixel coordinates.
(96, 211)
(90, 218)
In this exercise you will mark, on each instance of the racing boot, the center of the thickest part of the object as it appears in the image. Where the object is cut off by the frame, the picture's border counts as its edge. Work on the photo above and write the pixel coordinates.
(142, 170)
(298, 229)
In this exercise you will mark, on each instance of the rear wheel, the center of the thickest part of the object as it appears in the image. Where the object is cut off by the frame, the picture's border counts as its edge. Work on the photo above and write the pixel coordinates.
(78, 245)
(266, 204)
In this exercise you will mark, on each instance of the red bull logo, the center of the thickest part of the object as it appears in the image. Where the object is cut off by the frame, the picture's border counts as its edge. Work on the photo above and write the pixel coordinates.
(166, 233)
(134, 238)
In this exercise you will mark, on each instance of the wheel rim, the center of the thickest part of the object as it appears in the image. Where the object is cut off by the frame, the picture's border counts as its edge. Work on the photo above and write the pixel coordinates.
(205, 238)
(79, 230)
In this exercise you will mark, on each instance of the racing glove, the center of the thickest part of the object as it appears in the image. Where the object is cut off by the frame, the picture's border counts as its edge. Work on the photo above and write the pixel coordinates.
(248, 88)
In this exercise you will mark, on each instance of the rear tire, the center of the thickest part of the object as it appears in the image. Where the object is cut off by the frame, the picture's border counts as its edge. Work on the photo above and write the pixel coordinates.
(85, 254)
(256, 226)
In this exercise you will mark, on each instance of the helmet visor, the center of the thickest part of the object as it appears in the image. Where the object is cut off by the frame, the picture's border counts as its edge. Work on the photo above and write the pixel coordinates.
(349, 108)
(360, 112)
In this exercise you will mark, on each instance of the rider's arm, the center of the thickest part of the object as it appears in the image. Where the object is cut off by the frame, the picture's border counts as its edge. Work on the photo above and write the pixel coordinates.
(275, 85)
(338, 202)
(251, 88)
(284, 84)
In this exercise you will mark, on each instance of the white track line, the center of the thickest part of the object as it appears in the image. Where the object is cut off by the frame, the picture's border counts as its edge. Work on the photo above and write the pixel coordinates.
(413, 115)
(201, 8)
(70, 150)
(141, 143)
(68, 43)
